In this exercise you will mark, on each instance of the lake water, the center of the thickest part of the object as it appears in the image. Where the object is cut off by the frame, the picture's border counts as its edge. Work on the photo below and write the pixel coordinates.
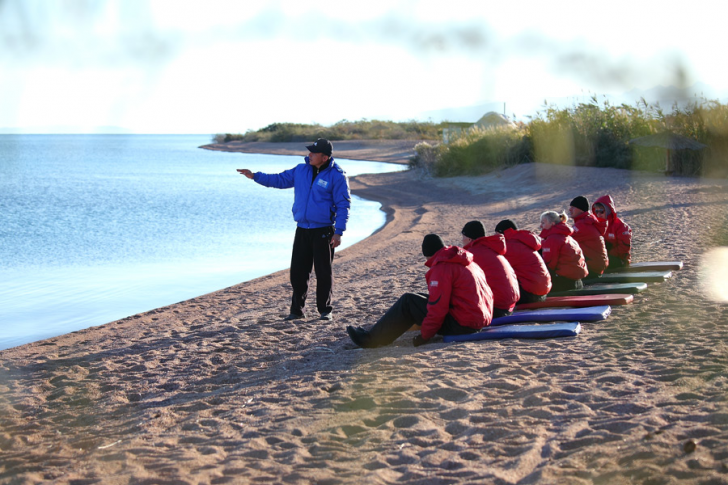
(94, 228)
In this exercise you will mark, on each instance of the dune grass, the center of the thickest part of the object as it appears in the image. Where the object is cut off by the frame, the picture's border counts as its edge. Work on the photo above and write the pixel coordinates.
(588, 134)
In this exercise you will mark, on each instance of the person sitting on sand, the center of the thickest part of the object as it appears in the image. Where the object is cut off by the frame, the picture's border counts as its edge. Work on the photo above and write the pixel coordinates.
(534, 280)
(561, 253)
(458, 302)
(589, 232)
(489, 253)
(618, 237)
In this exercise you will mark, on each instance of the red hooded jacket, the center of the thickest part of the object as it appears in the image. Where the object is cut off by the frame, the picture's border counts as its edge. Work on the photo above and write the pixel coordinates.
(561, 253)
(456, 286)
(618, 237)
(488, 253)
(588, 233)
(522, 252)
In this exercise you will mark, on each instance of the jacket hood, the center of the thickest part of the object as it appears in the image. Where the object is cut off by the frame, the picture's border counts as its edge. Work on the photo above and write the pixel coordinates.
(558, 228)
(450, 254)
(496, 243)
(587, 218)
(529, 239)
(608, 202)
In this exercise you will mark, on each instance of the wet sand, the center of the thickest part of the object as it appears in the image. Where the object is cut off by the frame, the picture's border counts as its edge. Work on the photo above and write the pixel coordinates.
(218, 389)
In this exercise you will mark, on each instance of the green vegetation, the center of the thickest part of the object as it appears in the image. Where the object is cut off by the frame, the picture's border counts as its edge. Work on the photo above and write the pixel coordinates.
(343, 130)
(588, 134)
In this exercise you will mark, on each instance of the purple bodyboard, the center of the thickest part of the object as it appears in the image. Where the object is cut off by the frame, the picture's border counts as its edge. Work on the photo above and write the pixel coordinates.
(550, 330)
(586, 314)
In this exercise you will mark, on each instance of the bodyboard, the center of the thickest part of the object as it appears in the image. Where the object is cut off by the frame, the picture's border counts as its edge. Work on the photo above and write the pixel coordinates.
(647, 266)
(577, 301)
(551, 330)
(604, 288)
(588, 314)
(647, 277)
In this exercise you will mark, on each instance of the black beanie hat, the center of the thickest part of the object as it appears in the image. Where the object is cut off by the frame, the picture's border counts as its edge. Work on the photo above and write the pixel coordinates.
(580, 202)
(431, 244)
(505, 224)
(474, 230)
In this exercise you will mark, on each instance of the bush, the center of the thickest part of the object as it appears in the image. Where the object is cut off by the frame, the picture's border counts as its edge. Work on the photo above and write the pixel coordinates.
(426, 157)
(344, 130)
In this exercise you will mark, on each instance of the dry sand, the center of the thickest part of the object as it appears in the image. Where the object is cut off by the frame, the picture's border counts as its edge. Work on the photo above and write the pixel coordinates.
(219, 389)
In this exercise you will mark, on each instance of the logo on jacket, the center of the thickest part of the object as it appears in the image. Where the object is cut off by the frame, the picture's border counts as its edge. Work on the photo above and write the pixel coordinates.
(323, 183)
(546, 250)
(433, 283)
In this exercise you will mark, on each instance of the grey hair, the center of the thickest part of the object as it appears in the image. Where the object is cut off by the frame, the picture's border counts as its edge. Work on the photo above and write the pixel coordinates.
(555, 217)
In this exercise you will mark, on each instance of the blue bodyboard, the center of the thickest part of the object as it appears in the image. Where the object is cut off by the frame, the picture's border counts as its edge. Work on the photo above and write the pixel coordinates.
(587, 314)
(550, 330)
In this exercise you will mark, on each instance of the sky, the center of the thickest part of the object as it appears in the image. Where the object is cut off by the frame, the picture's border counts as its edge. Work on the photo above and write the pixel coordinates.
(228, 66)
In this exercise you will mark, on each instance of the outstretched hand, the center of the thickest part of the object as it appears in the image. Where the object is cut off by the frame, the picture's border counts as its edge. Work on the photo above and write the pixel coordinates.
(246, 172)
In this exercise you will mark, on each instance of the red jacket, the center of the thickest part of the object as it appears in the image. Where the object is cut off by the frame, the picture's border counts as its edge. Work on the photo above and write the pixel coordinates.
(588, 233)
(488, 253)
(522, 252)
(618, 237)
(456, 286)
(561, 253)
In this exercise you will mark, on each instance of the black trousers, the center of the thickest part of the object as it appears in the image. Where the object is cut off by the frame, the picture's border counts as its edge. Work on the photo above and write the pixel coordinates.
(499, 312)
(561, 283)
(527, 297)
(312, 250)
(616, 262)
(410, 309)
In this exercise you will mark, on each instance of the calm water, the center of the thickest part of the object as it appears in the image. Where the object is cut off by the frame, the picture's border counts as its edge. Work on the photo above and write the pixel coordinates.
(94, 228)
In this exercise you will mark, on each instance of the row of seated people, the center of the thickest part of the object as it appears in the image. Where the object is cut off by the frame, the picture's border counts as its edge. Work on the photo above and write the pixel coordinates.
(489, 275)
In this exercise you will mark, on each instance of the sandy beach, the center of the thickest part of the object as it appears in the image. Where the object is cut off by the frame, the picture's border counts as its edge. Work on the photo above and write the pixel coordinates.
(219, 389)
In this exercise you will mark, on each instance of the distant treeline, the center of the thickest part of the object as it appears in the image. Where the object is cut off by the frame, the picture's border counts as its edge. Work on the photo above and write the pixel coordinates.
(589, 134)
(343, 130)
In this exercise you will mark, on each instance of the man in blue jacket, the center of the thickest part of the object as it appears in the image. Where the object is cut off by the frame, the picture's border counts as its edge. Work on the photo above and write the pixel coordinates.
(321, 211)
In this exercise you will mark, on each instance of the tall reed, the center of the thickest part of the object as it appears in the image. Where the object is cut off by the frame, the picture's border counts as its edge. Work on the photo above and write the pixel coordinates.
(591, 134)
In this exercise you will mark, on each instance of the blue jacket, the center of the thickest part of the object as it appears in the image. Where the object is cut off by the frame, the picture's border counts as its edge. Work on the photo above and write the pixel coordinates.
(322, 202)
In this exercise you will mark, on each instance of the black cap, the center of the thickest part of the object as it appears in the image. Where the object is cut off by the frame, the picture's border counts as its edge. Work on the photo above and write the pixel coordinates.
(580, 202)
(431, 244)
(505, 224)
(322, 145)
(474, 230)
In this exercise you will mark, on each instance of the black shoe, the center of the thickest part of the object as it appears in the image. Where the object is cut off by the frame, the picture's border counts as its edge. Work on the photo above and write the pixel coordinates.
(326, 316)
(294, 316)
(353, 335)
(358, 335)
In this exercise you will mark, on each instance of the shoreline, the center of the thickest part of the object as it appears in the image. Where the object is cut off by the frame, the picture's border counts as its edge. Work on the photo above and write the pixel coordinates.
(274, 149)
(219, 388)
(389, 151)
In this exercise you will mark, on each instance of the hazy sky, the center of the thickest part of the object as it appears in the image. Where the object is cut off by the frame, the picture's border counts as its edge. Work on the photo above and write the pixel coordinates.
(182, 66)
